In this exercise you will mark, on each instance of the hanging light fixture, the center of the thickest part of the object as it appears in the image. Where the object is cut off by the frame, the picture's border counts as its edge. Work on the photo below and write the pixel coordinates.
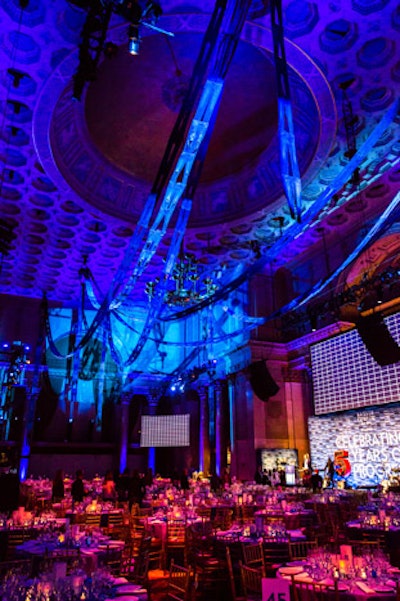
(190, 287)
(134, 39)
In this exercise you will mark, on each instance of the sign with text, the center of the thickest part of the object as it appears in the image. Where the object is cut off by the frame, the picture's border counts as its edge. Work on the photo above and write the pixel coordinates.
(371, 438)
(274, 589)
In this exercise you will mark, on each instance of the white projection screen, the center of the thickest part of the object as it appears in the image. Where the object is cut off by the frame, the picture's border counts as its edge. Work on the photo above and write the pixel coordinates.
(165, 431)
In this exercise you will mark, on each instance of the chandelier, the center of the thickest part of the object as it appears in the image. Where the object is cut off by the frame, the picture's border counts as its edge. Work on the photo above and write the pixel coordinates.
(189, 286)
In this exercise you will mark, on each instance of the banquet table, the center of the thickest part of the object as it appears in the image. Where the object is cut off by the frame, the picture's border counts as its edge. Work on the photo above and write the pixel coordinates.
(79, 517)
(89, 553)
(249, 534)
(390, 535)
(26, 532)
(157, 525)
(293, 520)
(75, 586)
(357, 578)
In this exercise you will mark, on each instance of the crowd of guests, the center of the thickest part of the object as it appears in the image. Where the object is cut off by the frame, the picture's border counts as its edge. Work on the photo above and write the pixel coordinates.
(309, 478)
(274, 477)
(131, 486)
(127, 486)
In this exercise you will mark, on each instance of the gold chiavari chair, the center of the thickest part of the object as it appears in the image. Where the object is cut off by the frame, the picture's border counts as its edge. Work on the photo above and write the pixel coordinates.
(301, 549)
(135, 567)
(311, 591)
(14, 539)
(112, 560)
(276, 554)
(203, 512)
(175, 539)
(235, 582)
(251, 582)
(93, 520)
(179, 582)
(253, 555)
(246, 513)
(70, 557)
(222, 517)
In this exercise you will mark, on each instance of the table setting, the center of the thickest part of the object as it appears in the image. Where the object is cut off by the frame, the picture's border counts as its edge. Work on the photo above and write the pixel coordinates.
(77, 586)
(258, 532)
(91, 547)
(359, 576)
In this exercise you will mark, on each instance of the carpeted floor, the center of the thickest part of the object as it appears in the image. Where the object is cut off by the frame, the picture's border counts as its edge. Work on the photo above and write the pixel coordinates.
(158, 585)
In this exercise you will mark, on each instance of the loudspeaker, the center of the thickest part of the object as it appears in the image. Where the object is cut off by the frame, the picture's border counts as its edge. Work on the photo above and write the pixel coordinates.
(9, 486)
(18, 402)
(262, 383)
(378, 340)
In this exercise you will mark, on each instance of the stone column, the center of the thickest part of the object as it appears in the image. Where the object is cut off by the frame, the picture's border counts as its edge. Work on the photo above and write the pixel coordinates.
(151, 457)
(204, 439)
(232, 425)
(219, 438)
(124, 431)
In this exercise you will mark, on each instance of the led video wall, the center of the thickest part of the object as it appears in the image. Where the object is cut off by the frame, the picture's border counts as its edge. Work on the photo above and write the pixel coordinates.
(345, 375)
(371, 437)
(165, 431)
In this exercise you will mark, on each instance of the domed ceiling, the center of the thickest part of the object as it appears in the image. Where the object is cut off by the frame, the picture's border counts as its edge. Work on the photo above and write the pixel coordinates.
(76, 175)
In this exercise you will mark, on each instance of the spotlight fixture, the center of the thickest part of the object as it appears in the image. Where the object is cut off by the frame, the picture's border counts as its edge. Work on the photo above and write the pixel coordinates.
(132, 12)
(134, 39)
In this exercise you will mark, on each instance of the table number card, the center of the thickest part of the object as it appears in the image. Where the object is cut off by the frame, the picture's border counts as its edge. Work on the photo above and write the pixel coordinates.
(275, 589)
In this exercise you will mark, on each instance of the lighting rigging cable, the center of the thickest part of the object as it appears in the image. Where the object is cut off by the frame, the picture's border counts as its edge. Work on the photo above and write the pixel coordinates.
(175, 189)
(128, 273)
(287, 141)
(204, 116)
(197, 137)
(292, 233)
(384, 222)
(296, 230)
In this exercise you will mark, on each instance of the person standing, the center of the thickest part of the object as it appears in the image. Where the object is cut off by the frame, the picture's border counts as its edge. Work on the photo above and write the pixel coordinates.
(109, 492)
(136, 489)
(57, 492)
(258, 476)
(184, 480)
(330, 471)
(78, 488)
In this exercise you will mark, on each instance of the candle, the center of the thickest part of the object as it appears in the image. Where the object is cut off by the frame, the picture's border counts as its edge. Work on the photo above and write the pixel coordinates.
(77, 583)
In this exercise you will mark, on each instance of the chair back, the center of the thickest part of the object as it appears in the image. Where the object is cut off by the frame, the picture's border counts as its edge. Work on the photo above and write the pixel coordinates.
(179, 582)
(276, 553)
(253, 555)
(301, 549)
(14, 539)
(115, 519)
(251, 582)
(234, 583)
(93, 519)
(311, 591)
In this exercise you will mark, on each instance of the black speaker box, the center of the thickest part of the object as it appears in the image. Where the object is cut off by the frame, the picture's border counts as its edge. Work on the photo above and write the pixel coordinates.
(378, 340)
(262, 383)
(18, 402)
(9, 486)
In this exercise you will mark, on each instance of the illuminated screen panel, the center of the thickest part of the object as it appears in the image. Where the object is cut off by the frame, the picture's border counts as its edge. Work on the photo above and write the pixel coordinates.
(371, 437)
(165, 431)
(345, 375)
